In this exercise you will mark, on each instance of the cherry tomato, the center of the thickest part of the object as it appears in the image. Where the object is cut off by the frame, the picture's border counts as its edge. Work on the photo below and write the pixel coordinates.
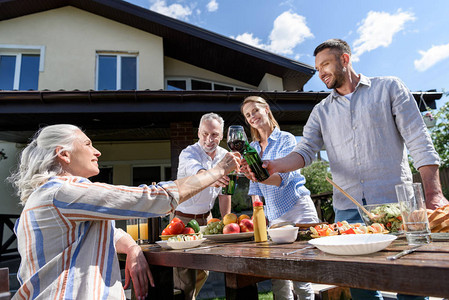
(188, 230)
(176, 228)
(349, 231)
(165, 232)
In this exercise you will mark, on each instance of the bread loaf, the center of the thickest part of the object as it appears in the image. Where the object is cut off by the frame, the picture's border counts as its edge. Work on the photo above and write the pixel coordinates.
(439, 219)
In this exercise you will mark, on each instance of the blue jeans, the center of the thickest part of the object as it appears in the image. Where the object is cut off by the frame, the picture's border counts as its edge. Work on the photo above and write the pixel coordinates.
(353, 216)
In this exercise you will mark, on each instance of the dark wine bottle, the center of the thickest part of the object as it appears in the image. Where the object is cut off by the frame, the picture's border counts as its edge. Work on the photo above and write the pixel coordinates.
(255, 163)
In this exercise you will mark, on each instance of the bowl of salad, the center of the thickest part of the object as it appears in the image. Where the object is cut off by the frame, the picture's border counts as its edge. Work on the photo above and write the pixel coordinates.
(387, 214)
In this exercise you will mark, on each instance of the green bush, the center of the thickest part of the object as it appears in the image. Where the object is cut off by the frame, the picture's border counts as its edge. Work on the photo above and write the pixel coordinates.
(316, 183)
(315, 175)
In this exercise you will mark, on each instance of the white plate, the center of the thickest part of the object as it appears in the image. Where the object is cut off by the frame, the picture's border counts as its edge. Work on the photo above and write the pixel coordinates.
(353, 244)
(242, 236)
(185, 244)
(163, 244)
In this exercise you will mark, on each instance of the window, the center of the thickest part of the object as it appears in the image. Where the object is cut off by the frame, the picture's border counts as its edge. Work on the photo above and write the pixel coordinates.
(201, 85)
(222, 87)
(20, 67)
(105, 175)
(168, 174)
(176, 85)
(146, 175)
(187, 84)
(116, 72)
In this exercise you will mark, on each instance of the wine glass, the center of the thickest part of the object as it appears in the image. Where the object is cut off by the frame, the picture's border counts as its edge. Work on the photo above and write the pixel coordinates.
(236, 140)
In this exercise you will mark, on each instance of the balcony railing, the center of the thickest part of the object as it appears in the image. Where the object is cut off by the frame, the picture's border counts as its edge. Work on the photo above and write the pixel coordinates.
(7, 237)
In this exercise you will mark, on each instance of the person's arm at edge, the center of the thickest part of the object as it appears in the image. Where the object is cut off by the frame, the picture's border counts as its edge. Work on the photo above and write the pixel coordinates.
(190, 186)
(291, 162)
(224, 202)
(136, 267)
(430, 176)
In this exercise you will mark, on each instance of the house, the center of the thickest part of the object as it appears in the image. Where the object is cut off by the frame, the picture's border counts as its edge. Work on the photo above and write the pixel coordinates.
(135, 80)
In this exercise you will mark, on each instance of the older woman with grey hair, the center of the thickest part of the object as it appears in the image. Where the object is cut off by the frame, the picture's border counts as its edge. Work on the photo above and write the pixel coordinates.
(66, 234)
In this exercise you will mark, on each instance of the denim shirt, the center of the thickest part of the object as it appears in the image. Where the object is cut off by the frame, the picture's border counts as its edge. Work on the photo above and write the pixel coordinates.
(366, 139)
(280, 200)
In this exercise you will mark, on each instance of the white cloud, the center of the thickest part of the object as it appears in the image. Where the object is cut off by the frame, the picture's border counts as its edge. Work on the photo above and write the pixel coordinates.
(174, 10)
(289, 30)
(431, 57)
(377, 30)
(212, 6)
(249, 39)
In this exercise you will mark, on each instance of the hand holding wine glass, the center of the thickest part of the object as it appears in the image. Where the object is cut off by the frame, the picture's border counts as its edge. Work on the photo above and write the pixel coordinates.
(237, 141)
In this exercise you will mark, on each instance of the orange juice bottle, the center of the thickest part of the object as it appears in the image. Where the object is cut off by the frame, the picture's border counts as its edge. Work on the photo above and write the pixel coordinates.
(260, 224)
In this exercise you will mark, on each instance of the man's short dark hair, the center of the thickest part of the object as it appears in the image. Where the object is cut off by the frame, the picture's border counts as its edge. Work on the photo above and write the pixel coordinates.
(337, 44)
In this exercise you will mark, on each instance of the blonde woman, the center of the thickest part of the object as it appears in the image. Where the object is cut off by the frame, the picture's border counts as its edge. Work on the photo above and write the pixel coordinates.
(286, 197)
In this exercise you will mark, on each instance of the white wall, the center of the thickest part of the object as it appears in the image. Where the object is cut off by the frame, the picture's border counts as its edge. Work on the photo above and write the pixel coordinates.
(271, 83)
(177, 68)
(72, 38)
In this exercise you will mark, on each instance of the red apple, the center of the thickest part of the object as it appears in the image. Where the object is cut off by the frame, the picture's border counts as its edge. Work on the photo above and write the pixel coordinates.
(231, 228)
(246, 225)
(188, 230)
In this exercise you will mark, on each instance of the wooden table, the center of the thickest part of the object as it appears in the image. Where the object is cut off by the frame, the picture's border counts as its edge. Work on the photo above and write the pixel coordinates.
(424, 272)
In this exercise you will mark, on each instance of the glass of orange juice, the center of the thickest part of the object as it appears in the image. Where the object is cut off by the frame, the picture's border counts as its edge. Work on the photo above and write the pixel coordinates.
(138, 230)
(132, 228)
(143, 230)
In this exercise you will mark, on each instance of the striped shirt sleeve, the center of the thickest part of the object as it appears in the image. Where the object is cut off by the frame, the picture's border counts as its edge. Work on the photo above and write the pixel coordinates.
(79, 199)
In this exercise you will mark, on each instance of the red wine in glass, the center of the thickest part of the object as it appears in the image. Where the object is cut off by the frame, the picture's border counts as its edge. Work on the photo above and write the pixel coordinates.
(237, 145)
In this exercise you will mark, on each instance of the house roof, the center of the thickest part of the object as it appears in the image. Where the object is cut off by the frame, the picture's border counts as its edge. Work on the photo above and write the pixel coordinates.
(146, 115)
(182, 41)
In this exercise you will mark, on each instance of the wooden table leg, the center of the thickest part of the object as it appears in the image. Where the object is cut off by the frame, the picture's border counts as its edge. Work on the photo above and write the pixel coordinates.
(241, 287)
(163, 281)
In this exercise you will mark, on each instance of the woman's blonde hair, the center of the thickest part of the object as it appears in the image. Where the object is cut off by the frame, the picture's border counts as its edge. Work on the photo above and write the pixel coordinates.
(38, 161)
(259, 100)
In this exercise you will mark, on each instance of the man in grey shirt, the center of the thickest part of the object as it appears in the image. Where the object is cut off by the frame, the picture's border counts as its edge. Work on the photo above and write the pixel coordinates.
(366, 125)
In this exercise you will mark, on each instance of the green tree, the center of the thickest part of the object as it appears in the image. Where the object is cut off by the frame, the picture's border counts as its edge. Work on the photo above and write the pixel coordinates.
(440, 138)
(440, 134)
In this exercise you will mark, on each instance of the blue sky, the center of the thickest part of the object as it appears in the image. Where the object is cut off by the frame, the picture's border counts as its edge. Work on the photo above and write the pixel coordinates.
(404, 38)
